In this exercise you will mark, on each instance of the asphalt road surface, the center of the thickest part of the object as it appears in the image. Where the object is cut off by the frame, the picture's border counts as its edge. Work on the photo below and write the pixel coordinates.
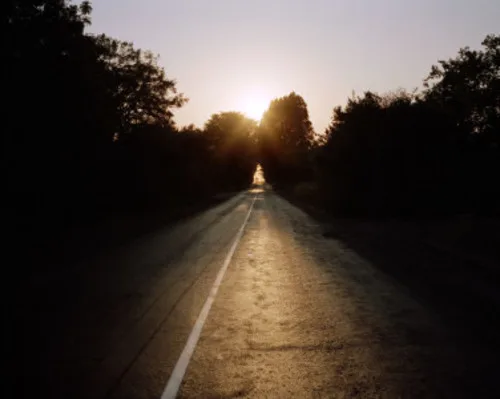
(296, 315)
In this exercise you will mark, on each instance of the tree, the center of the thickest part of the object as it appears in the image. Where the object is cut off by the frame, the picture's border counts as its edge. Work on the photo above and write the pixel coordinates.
(285, 136)
(435, 153)
(389, 154)
(231, 141)
(287, 122)
(69, 98)
(468, 88)
(49, 116)
(140, 91)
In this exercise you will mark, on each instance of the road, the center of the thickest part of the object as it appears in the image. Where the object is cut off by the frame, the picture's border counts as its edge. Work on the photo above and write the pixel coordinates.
(297, 314)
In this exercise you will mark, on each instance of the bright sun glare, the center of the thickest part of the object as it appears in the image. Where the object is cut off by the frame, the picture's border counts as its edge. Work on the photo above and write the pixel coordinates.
(255, 103)
(258, 176)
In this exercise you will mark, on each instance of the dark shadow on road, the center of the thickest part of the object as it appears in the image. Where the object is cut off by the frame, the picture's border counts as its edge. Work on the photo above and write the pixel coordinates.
(463, 293)
(48, 251)
(76, 281)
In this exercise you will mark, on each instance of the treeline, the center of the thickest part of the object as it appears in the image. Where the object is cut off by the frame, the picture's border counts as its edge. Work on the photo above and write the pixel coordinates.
(89, 129)
(431, 153)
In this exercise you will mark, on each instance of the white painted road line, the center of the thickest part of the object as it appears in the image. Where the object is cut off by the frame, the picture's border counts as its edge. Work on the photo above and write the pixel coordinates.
(177, 375)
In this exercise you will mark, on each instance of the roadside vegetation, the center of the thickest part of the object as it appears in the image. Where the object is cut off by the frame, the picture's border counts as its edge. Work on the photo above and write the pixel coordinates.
(89, 131)
(432, 152)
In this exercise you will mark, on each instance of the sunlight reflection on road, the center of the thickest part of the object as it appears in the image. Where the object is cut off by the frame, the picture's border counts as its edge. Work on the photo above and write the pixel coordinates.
(256, 190)
(298, 315)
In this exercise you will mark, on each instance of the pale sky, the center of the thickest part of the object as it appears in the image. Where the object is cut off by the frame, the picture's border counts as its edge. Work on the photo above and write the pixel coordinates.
(238, 54)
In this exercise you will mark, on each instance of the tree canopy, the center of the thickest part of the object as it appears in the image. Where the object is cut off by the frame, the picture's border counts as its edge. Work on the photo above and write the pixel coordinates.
(232, 142)
(467, 87)
(89, 120)
(89, 129)
(436, 152)
(285, 136)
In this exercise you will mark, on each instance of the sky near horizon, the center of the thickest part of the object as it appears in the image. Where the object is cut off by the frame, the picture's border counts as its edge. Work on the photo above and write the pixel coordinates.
(239, 54)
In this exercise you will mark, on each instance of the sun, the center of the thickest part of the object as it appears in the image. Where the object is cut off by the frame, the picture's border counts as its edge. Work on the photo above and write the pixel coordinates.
(254, 103)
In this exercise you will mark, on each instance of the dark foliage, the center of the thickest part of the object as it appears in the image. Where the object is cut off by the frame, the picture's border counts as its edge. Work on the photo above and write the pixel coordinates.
(89, 130)
(231, 139)
(285, 138)
(407, 155)
(89, 126)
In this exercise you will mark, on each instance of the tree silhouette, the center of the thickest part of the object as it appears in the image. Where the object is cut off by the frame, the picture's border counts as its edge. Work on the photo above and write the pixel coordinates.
(430, 154)
(285, 137)
(89, 130)
(140, 91)
(71, 100)
(468, 88)
(232, 143)
(386, 155)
